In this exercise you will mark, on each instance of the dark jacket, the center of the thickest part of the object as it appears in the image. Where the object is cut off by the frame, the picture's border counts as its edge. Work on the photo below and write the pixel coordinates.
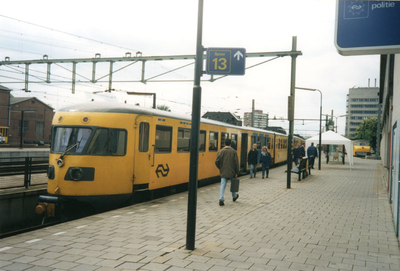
(252, 157)
(227, 162)
(312, 151)
(296, 152)
(301, 151)
(265, 159)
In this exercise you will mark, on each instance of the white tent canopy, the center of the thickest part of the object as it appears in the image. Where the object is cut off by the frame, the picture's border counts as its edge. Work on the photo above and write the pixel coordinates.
(332, 138)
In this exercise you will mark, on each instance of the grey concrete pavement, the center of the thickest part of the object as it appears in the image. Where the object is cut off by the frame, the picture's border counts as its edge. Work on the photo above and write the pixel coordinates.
(335, 219)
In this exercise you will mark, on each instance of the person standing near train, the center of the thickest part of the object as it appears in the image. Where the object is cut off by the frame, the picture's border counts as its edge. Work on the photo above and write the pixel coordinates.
(227, 162)
(252, 159)
(302, 150)
(296, 154)
(312, 153)
(265, 160)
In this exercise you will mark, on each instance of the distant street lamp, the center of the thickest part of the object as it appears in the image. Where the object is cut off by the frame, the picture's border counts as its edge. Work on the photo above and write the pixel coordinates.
(339, 117)
(320, 124)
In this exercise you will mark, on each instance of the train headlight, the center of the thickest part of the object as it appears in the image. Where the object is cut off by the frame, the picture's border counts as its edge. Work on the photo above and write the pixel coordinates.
(60, 162)
(76, 173)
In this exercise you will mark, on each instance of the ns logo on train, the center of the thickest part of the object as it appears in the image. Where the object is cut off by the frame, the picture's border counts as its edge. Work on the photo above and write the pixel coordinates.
(161, 170)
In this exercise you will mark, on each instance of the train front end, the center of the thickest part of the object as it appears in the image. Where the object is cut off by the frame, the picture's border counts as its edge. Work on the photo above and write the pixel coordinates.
(90, 164)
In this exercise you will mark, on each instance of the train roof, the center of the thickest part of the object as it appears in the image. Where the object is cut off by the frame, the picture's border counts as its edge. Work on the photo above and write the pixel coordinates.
(122, 108)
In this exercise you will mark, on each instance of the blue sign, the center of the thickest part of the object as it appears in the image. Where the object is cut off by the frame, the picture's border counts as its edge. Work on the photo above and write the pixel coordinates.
(226, 61)
(367, 27)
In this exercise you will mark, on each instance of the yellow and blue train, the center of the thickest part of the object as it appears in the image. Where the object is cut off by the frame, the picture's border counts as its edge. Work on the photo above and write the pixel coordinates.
(102, 153)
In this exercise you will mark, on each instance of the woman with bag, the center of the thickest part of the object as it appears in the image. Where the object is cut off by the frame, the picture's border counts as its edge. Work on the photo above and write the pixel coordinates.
(265, 160)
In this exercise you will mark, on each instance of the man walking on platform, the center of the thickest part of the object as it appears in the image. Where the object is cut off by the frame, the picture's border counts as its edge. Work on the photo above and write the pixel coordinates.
(312, 153)
(228, 164)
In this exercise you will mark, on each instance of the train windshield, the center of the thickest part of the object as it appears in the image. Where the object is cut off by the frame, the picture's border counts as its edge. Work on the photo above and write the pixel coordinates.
(68, 136)
(91, 141)
(361, 143)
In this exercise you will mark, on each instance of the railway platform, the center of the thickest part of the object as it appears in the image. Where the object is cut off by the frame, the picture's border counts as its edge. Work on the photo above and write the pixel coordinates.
(335, 219)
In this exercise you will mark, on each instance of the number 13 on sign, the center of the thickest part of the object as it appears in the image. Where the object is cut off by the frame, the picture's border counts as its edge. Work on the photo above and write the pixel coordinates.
(220, 64)
(225, 61)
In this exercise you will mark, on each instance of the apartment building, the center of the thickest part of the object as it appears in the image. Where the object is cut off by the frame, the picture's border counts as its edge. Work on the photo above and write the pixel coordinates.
(362, 103)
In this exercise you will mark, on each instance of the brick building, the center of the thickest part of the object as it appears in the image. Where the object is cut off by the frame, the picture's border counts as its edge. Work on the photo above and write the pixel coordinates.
(36, 115)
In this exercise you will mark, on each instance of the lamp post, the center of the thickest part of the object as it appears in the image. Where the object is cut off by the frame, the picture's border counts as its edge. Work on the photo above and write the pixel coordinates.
(320, 123)
(337, 118)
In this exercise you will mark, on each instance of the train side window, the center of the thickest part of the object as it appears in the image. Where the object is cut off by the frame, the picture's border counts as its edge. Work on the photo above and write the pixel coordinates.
(163, 139)
(223, 137)
(253, 141)
(269, 143)
(183, 140)
(213, 141)
(264, 141)
(144, 137)
(259, 143)
(202, 141)
(234, 141)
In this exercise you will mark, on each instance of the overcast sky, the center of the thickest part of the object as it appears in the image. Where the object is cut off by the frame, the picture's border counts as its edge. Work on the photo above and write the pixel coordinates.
(80, 29)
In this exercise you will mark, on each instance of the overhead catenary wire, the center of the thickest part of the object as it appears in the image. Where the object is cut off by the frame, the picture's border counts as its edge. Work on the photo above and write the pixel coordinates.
(67, 33)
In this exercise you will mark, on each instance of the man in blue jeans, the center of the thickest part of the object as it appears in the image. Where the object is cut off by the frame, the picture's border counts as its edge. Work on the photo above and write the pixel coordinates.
(228, 164)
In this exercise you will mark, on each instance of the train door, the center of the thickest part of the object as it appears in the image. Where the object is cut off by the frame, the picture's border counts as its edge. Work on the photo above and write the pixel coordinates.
(164, 164)
(144, 155)
(243, 153)
(395, 178)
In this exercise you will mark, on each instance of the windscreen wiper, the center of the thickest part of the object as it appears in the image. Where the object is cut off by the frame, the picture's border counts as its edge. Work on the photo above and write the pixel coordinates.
(60, 160)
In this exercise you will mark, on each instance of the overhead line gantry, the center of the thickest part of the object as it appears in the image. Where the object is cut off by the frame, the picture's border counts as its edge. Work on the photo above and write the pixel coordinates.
(138, 58)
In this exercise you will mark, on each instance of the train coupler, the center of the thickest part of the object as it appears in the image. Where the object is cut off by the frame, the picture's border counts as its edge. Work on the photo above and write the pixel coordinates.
(47, 206)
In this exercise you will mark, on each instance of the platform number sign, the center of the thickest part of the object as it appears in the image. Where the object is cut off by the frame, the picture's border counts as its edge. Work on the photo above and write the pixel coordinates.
(226, 61)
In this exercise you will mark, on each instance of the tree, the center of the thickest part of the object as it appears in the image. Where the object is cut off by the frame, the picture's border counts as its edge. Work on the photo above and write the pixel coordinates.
(367, 131)
(163, 107)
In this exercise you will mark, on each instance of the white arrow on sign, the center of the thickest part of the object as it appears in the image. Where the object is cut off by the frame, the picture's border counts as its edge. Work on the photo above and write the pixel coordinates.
(238, 55)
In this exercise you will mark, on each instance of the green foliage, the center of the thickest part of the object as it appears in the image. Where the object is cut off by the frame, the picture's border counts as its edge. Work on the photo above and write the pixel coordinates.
(163, 107)
(367, 131)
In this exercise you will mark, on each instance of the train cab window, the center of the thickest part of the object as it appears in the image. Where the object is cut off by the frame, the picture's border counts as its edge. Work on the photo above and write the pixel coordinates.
(223, 137)
(98, 144)
(65, 137)
(213, 141)
(202, 141)
(108, 142)
(234, 141)
(117, 142)
(183, 140)
(163, 139)
(144, 137)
